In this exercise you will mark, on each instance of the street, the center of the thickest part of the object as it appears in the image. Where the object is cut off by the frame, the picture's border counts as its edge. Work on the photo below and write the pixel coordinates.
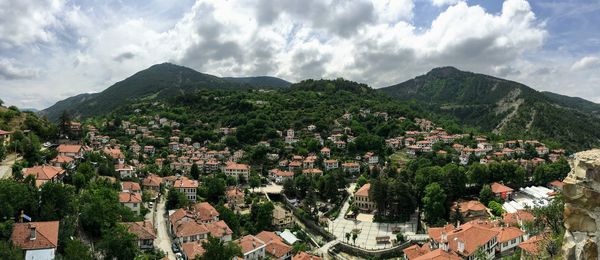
(6, 166)
(163, 240)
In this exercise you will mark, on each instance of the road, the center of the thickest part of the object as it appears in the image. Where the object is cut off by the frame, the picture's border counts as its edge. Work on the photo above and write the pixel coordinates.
(6, 166)
(163, 240)
(323, 249)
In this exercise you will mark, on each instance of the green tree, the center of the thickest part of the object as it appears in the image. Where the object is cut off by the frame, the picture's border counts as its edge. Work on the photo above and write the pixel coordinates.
(348, 235)
(214, 248)
(215, 189)
(254, 181)
(195, 172)
(118, 243)
(10, 252)
(57, 201)
(176, 199)
(100, 209)
(434, 204)
(261, 215)
(496, 208)
(354, 237)
(486, 195)
(77, 250)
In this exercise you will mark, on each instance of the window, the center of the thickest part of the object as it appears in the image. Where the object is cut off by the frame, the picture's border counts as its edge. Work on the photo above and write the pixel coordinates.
(135, 205)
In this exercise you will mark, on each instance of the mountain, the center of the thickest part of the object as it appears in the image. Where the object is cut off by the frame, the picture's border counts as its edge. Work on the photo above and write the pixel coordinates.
(574, 102)
(261, 81)
(160, 81)
(502, 106)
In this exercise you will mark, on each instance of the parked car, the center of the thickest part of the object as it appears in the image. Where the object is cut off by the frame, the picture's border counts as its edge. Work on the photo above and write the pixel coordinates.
(175, 248)
(150, 204)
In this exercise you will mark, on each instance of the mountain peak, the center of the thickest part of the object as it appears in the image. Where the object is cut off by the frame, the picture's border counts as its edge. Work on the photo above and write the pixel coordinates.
(443, 71)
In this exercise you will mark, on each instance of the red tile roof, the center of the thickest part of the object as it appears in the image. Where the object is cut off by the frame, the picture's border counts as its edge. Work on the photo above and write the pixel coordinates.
(46, 235)
(152, 180)
(415, 251)
(363, 191)
(62, 159)
(68, 148)
(268, 236)
(508, 233)
(513, 218)
(305, 256)
(143, 230)
(190, 228)
(438, 254)
(249, 243)
(533, 245)
(205, 211)
(219, 229)
(129, 185)
(44, 172)
(278, 249)
(192, 249)
(499, 188)
(130, 197)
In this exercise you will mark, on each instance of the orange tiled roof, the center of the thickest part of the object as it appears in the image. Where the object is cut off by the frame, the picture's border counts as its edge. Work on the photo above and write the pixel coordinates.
(533, 245)
(141, 229)
(249, 243)
(508, 233)
(472, 205)
(62, 159)
(499, 188)
(68, 148)
(415, 251)
(190, 228)
(152, 180)
(304, 256)
(44, 172)
(219, 229)
(236, 166)
(268, 236)
(438, 254)
(129, 185)
(192, 249)
(278, 249)
(205, 211)
(130, 197)
(46, 235)
(513, 218)
(363, 191)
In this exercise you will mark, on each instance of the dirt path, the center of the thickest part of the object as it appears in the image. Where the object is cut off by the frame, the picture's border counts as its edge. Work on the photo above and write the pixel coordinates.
(163, 240)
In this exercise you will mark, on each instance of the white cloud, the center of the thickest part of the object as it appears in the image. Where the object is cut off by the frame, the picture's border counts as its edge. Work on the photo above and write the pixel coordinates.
(587, 62)
(371, 41)
(27, 21)
(10, 71)
(440, 3)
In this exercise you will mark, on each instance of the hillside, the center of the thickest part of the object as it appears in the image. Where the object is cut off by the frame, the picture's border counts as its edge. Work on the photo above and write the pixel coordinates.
(261, 81)
(574, 102)
(502, 106)
(12, 119)
(160, 81)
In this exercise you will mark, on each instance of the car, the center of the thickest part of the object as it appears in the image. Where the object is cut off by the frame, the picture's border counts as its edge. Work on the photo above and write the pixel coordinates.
(179, 256)
(150, 204)
(175, 248)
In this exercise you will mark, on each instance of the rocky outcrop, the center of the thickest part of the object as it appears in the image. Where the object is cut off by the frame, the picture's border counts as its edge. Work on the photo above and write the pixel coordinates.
(582, 207)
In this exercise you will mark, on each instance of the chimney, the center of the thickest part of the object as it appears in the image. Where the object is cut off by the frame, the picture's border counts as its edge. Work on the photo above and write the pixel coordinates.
(32, 232)
(253, 244)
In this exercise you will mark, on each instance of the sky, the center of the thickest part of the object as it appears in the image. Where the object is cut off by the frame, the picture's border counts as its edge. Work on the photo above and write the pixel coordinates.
(51, 50)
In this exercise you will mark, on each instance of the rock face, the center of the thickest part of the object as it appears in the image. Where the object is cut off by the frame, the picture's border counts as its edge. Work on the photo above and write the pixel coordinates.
(582, 207)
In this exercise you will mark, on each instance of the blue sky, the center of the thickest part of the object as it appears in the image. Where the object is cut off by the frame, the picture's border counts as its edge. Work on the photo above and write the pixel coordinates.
(50, 50)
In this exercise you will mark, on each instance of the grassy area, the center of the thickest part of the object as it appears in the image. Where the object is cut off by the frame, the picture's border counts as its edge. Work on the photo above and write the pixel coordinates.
(399, 158)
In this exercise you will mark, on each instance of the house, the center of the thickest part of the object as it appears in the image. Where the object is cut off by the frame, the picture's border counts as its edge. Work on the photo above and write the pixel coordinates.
(508, 239)
(187, 187)
(371, 158)
(191, 250)
(280, 176)
(129, 186)
(125, 170)
(220, 230)
(313, 171)
(149, 149)
(304, 256)
(144, 232)
(501, 191)
(73, 151)
(132, 200)
(362, 198)
(351, 167)
(236, 170)
(438, 254)
(471, 210)
(282, 218)
(415, 251)
(205, 213)
(44, 173)
(5, 137)
(235, 197)
(331, 164)
(308, 163)
(518, 218)
(252, 247)
(188, 230)
(325, 152)
(530, 248)
(115, 154)
(466, 239)
(38, 240)
(275, 247)
(152, 182)
(61, 160)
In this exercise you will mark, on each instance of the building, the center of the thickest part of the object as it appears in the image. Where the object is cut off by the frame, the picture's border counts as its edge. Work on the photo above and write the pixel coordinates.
(304, 256)
(187, 187)
(152, 182)
(236, 170)
(191, 250)
(362, 199)
(220, 230)
(325, 152)
(132, 200)
(351, 167)
(530, 248)
(282, 218)
(508, 239)
(518, 218)
(125, 171)
(62, 161)
(331, 164)
(252, 247)
(466, 239)
(471, 210)
(5, 137)
(205, 213)
(501, 191)
(73, 151)
(129, 186)
(235, 197)
(39, 240)
(275, 247)
(280, 176)
(144, 231)
(45, 173)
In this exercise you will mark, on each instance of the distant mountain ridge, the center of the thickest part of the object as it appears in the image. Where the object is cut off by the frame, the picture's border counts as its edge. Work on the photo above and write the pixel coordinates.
(159, 81)
(502, 106)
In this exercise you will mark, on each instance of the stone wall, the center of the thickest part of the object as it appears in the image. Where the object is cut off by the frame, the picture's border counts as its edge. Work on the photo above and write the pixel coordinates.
(582, 207)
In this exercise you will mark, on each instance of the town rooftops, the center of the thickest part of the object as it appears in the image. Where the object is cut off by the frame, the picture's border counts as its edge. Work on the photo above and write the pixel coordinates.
(141, 229)
(236, 166)
(69, 148)
(219, 229)
(438, 254)
(131, 186)
(130, 197)
(205, 211)
(472, 205)
(363, 191)
(193, 249)
(305, 256)
(35, 235)
(533, 245)
(499, 188)
(415, 251)
(190, 228)
(152, 180)
(250, 243)
(62, 159)
(184, 182)
(508, 233)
